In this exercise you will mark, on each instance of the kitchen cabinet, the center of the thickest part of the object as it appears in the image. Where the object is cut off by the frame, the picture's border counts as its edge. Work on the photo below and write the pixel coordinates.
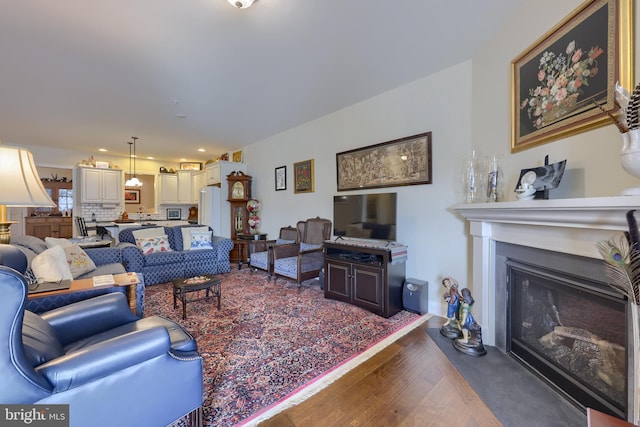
(216, 172)
(100, 186)
(49, 226)
(176, 188)
(199, 181)
(363, 276)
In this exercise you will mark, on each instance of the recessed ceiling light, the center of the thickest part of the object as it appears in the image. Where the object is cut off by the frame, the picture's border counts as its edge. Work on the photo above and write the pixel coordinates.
(150, 158)
(181, 116)
(202, 150)
(102, 149)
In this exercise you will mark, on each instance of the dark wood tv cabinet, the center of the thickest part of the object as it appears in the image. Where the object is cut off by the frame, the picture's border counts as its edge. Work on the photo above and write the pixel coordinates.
(363, 275)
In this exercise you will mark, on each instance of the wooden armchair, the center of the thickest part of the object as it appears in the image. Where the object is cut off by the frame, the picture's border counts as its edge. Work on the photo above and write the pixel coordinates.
(261, 250)
(304, 260)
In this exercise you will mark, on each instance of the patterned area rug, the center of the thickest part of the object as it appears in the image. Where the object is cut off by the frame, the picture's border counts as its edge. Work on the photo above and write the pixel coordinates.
(268, 339)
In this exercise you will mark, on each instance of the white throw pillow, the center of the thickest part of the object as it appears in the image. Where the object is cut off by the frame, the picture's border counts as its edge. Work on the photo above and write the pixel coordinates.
(149, 245)
(201, 240)
(54, 241)
(144, 233)
(78, 260)
(51, 266)
(186, 235)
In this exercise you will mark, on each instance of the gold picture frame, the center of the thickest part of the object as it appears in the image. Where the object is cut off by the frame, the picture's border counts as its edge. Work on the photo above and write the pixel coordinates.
(564, 83)
(190, 166)
(303, 177)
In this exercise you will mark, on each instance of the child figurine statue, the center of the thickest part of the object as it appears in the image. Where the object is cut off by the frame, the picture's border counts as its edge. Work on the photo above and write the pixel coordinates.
(452, 297)
(471, 341)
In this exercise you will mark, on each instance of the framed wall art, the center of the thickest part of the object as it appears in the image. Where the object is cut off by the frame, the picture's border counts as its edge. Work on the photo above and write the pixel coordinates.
(564, 83)
(131, 196)
(281, 178)
(237, 156)
(190, 166)
(303, 177)
(405, 161)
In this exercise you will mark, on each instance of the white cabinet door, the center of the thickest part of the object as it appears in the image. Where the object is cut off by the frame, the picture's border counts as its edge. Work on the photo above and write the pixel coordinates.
(199, 181)
(168, 188)
(213, 173)
(91, 186)
(185, 185)
(101, 186)
(111, 186)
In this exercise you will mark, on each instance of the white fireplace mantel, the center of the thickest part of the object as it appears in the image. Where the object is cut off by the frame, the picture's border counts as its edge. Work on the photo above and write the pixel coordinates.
(570, 226)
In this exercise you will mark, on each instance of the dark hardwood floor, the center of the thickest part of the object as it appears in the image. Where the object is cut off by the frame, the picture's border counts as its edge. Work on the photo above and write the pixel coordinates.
(409, 383)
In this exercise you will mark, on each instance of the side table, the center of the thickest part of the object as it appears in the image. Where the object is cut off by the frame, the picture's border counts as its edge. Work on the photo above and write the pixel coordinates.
(183, 287)
(243, 246)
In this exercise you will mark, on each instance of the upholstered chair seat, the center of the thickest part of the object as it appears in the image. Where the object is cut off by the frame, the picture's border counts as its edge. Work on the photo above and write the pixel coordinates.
(304, 260)
(262, 250)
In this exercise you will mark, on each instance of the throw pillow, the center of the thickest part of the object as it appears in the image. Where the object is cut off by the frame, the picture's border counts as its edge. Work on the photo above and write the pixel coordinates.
(148, 232)
(51, 266)
(149, 245)
(201, 240)
(53, 241)
(78, 260)
(186, 235)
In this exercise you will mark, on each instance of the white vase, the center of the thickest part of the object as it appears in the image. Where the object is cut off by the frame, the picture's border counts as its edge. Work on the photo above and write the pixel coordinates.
(630, 159)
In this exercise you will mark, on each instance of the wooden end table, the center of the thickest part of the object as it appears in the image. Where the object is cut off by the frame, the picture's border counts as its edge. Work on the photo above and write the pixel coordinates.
(130, 280)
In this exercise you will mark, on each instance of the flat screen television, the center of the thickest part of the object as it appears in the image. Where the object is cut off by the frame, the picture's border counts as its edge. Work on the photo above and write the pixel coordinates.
(367, 216)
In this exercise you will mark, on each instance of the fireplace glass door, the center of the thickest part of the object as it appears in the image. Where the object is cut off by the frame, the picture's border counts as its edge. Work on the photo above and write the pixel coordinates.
(571, 332)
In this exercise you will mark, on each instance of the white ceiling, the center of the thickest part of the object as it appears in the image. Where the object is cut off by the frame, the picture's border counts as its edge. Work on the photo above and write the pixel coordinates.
(84, 74)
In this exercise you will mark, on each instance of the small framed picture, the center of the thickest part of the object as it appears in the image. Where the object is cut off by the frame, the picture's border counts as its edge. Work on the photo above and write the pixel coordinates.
(303, 177)
(237, 156)
(190, 166)
(132, 196)
(281, 178)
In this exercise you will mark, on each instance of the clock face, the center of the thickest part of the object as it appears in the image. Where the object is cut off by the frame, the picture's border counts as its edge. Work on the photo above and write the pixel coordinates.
(237, 191)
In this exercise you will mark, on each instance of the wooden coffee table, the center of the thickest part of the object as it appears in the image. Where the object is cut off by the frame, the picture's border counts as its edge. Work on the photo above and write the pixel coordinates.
(183, 287)
(130, 280)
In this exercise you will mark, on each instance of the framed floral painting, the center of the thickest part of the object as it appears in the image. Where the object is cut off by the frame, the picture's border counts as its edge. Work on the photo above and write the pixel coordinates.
(564, 83)
(303, 177)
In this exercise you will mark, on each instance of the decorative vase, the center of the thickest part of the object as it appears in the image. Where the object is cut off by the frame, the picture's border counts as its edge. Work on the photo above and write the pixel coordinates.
(630, 159)
(253, 206)
(470, 177)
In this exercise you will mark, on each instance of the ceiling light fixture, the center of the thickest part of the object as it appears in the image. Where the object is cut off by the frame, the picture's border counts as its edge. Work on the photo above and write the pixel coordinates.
(241, 4)
(133, 180)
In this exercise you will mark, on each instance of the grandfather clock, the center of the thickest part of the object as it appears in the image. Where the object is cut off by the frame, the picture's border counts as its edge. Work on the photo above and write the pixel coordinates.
(239, 195)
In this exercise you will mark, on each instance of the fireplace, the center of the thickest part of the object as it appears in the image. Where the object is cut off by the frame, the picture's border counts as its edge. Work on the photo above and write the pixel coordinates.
(567, 325)
(563, 234)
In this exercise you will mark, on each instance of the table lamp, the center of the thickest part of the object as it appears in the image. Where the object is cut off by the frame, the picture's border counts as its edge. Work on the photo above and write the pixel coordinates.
(21, 186)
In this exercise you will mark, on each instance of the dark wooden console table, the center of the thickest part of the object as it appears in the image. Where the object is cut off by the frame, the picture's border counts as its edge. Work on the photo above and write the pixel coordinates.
(364, 276)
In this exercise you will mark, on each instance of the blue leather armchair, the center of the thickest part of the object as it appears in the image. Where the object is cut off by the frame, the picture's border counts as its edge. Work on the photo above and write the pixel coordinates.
(110, 366)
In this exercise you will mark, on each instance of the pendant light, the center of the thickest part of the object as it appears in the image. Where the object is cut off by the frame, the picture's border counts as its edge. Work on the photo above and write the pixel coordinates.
(133, 180)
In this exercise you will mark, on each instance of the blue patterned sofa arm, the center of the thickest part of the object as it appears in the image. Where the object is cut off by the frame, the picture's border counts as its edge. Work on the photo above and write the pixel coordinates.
(223, 248)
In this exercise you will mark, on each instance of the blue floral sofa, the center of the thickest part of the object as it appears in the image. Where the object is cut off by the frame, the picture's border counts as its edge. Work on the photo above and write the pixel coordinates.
(171, 259)
(107, 261)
